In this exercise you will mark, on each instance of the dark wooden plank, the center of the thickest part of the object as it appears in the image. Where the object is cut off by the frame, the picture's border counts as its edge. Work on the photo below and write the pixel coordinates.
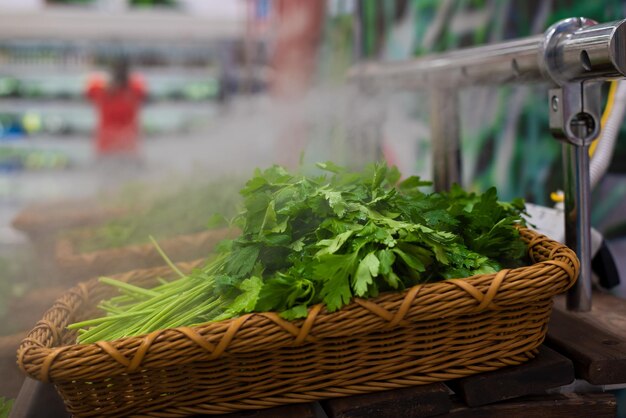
(38, 400)
(301, 410)
(548, 370)
(596, 405)
(607, 313)
(598, 356)
(417, 401)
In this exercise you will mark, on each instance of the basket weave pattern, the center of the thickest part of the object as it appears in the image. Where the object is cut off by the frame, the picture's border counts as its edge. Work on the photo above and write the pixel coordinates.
(428, 333)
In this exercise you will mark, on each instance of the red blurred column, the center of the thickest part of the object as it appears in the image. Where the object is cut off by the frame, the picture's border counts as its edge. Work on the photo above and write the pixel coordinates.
(118, 108)
(300, 24)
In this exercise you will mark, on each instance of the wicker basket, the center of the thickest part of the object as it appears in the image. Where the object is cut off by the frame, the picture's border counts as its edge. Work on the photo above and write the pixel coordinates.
(73, 264)
(428, 333)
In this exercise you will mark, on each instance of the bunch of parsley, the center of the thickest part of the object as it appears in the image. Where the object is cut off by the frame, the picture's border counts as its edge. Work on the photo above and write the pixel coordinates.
(329, 238)
(308, 240)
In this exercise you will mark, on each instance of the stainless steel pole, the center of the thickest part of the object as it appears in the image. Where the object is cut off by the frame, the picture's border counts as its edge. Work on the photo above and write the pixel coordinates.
(577, 221)
(445, 137)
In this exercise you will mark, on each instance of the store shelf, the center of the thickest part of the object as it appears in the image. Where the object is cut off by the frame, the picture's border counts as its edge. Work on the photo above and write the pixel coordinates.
(132, 25)
(61, 106)
(47, 71)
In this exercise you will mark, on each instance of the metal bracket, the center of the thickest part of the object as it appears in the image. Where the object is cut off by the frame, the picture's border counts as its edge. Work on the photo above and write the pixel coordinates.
(575, 112)
(575, 120)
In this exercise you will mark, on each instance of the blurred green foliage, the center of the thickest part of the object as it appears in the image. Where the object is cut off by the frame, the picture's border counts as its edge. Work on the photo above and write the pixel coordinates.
(192, 207)
(529, 163)
(16, 273)
(5, 407)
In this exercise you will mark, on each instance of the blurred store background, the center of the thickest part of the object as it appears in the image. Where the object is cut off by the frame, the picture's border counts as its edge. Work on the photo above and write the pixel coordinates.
(239, 84)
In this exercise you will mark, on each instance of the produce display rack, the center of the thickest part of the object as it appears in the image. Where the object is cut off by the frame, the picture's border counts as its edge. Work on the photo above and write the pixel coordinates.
(72, 23)
(74, 265)
(586, 343)
(43, 83)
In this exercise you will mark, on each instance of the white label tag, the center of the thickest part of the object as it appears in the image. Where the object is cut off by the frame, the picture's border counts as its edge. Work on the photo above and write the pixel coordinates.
(547, 221)
(551, 223)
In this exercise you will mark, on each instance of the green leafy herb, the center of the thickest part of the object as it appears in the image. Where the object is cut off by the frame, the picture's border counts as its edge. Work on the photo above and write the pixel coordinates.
(327, 239)
(5, 407)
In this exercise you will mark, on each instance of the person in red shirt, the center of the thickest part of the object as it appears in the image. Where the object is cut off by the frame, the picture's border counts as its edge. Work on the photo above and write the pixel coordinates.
(118, 103)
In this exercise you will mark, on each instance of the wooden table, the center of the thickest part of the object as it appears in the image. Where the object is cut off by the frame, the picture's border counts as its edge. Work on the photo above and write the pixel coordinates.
(595, 341)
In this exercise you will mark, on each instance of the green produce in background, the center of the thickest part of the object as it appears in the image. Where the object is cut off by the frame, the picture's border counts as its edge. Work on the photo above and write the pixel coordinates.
(9, 86)
(324, 239)
(191, 208)
(5, 407)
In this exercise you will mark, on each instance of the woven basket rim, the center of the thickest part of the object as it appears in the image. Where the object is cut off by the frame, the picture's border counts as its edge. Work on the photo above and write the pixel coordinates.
(554, 269)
